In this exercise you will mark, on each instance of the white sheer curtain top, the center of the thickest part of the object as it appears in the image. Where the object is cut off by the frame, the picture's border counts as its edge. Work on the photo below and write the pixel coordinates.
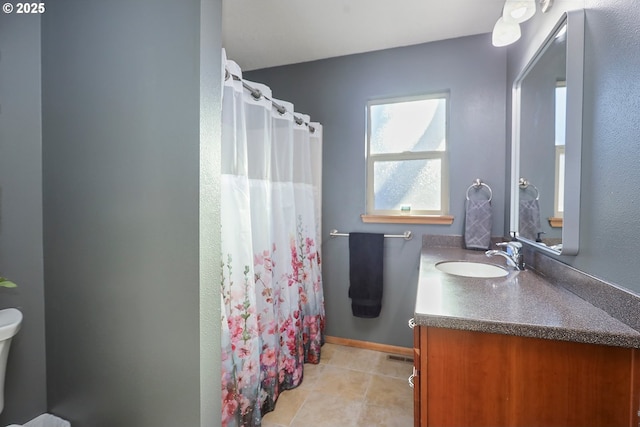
(282, 153)
(301, 151)
(315, 146)
(234, 155)
(258, 113)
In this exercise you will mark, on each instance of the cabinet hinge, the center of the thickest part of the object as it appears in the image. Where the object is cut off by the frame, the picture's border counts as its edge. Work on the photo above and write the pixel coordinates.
(412, 323)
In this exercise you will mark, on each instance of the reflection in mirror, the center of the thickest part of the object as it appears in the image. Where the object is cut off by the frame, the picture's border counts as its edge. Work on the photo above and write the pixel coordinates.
(542, 134)
(547, 129)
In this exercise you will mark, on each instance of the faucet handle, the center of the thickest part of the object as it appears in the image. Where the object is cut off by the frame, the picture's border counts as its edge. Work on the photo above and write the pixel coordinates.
(512, 248)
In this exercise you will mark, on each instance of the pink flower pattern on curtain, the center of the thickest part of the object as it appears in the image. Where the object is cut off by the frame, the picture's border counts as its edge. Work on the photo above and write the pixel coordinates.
(272, 297)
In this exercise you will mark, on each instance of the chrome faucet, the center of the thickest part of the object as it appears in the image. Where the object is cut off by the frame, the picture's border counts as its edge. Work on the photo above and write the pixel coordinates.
(512, 253)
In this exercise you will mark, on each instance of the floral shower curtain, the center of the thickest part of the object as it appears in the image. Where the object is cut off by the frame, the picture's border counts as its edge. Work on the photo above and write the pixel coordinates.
(272, 299)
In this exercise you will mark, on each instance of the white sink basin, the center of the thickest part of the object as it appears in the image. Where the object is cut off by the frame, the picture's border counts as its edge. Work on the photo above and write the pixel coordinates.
(471, 269)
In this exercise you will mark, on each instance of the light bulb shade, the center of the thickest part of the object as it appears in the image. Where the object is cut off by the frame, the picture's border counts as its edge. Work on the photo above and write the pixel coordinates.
(505, 33)
(518, 11)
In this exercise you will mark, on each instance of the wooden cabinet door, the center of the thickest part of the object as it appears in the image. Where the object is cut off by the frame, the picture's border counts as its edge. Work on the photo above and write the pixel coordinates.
(417, 380)
(480, 379)
(466, 378)
(571, 384)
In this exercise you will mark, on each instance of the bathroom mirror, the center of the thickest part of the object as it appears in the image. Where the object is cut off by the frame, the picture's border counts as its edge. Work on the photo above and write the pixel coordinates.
(547, 141)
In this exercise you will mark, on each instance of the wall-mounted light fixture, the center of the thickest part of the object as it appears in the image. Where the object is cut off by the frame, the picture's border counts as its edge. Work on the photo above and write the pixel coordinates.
(505, 33)
(518, 11)
(515, 12)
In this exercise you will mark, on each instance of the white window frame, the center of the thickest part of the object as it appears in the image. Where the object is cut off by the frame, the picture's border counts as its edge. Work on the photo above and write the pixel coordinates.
(443, 156)
(559, 183)
(558, 205)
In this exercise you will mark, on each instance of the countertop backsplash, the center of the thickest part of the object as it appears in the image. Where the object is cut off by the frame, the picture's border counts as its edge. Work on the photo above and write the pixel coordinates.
(620, 303)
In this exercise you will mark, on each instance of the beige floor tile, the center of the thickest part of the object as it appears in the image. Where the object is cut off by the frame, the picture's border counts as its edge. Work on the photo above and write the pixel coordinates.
(358, 359)
(327, 352)
(342, 382)
(393, 368)
(310, 377)
(350, 387)
(287, 405)
(326, 410)
(389, 392)
(377, 416)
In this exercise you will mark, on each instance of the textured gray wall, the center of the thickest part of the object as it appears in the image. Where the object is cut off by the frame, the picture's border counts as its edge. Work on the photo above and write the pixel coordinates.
(21, 213)
(210, 247)
(122, 228)
(335, 92)
(609, 228)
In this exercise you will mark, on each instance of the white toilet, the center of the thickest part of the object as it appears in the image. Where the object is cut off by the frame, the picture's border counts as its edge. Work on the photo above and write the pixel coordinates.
(10, 320)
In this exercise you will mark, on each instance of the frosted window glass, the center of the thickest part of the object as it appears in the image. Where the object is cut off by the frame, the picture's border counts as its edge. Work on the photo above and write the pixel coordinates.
(409, 182)
(410, 126)
(561, 114)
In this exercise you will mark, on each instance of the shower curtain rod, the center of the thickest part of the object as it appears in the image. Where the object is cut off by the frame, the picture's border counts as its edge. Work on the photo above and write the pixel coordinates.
(257, 94)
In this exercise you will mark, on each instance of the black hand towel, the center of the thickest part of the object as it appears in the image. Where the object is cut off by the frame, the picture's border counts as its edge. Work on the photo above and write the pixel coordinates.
(365, 273)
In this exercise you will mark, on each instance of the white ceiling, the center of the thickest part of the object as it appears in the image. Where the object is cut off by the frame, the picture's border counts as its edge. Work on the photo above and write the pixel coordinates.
(267, 33)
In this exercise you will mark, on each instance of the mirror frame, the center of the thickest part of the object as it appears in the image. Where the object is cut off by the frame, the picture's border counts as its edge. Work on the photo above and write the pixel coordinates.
(573, 133)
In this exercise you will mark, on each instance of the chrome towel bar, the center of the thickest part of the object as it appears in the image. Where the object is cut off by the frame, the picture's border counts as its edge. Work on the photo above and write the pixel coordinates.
(408, 235)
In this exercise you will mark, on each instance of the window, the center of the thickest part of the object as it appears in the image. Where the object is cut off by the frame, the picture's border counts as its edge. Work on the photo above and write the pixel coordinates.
(407, 169)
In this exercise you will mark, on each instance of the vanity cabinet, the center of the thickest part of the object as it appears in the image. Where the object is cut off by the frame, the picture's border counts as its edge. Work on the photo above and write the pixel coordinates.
(466, 378)
(416, 374)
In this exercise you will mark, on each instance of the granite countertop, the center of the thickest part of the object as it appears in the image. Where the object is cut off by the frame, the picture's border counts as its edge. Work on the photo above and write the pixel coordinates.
(522, 303)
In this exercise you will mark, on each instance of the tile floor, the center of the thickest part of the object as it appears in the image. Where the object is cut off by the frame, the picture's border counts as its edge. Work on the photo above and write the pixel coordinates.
(350, 387)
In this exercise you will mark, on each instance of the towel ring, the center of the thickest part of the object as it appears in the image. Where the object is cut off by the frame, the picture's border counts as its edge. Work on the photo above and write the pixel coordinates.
(524, 184)
(477, 184)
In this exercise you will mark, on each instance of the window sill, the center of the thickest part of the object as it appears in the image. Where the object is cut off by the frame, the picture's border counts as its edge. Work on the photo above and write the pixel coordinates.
(408, 219)
(555, 222)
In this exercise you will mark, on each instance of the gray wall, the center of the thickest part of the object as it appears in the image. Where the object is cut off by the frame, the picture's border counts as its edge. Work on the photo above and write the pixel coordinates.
(21, 212)
(335, 92)
(609, 229)
(125, 151)
(209, 195)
